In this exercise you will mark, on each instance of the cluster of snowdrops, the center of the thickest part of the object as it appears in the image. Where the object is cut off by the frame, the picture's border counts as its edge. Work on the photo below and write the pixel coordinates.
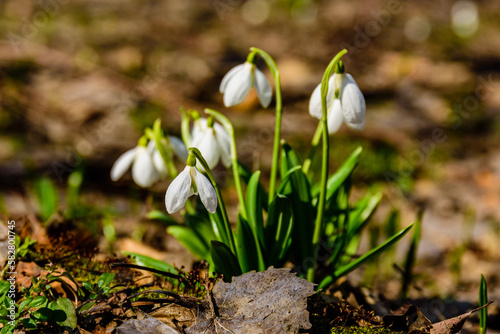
(302, 218)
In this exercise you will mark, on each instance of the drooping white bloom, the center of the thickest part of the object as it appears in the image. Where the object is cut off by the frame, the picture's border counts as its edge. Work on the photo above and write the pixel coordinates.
(144, 172)
(213, 141)
(350, 103)
(178, 147)
(237, 82)
(190, 182)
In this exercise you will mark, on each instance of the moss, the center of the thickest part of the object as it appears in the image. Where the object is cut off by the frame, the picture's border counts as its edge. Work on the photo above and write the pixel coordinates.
(363, 330)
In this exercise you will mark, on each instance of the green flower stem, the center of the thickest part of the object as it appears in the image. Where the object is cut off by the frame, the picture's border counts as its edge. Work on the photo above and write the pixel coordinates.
(227, 225)
(163, 146)
(277, 131)
(234, 157)
(324, 165)
(314, 146)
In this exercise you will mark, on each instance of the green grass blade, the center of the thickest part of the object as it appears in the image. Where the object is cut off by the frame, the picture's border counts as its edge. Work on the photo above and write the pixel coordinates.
(483, 300)
(365, 258)
(411, 256)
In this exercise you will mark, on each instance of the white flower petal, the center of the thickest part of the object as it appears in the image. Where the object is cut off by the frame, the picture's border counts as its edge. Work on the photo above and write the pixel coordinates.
(198, 126)
(206, 192)
(178, 191)
(238, 86)
(229, 76)
(151, 146)
(122, 164)
(359, 126)
(207, 144)
(159, 164)
(264, 90)
(179, 148)
(353, 101)
(335, 117)
(315, 100)
(144, 172)
(224, 144)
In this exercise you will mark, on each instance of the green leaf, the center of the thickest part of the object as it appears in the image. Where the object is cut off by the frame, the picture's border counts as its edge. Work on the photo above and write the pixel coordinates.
(29, 323)
(279, 229)
(9, 329)
(64, 305)
(254, 207)
(247, 253)
(364, 258)
(38, 301)
(202, 226)
(161, 216)
(337, 179)
(43, 314)
(246, 174)
(24, 304)
(47, 197)
(88, 286)
(149, 262)
(359, 218)
(105, 279)
(483, 300)
(298, 191)
(224, 260)
(189, 240)
(411, 256)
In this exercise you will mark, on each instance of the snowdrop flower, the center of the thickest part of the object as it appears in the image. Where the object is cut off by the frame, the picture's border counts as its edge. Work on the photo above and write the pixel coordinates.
(179, 150)
(344, 102)
(213, 141)
(237, 82)
(190, 182)
(144, 172)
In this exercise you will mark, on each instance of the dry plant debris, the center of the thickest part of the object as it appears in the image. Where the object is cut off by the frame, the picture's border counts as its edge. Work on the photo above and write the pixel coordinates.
(273, 301)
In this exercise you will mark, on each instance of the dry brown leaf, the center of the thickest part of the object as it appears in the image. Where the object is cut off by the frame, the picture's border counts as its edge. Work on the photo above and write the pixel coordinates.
(453, 325)
(273, 301)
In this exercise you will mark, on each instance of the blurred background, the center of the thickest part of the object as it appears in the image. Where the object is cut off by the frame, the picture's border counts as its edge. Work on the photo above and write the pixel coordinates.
(79, 81)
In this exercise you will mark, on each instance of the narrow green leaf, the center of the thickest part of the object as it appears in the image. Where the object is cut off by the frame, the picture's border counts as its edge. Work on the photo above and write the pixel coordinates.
(105, 279)
(364, 258)
(161, 216)
(483, 300)
(279, 229)
(38, 301)
(47, 197)
(149, 262)
(24, 304)
(246, 174)
(247, 253)
(298, 191)
(224, 260)
(254, 206)
(202, 226)
(411, 256)
(336, 180)
(359, 218)
(189, 240)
